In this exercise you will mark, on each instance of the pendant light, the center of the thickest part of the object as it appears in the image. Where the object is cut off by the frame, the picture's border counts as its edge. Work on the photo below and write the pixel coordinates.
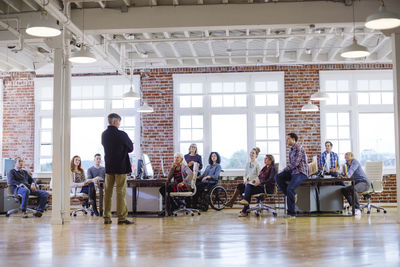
(382, 20)
(354, 50)
(83, 56)
(319, 96)
(310, 107)
(43, 28)
(131, 94)
(145, 108)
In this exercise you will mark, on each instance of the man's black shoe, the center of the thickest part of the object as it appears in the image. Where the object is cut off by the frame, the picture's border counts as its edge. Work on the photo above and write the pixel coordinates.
(125, 222)
(107, 222)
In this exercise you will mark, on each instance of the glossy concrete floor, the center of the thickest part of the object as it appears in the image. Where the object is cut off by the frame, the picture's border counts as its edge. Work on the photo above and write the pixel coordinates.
(213, 239)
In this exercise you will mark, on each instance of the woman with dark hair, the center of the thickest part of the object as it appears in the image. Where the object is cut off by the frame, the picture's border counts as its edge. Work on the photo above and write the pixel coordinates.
(266, 183)
(252, 170)
(193, 157)
(210, 175)
(78, 180)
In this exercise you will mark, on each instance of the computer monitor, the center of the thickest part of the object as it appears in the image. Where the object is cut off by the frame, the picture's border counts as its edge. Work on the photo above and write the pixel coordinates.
(148, 169)
(8, 165)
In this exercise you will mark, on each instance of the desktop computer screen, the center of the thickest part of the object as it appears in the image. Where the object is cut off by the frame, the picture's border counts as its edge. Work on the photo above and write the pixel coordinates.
(144, 168)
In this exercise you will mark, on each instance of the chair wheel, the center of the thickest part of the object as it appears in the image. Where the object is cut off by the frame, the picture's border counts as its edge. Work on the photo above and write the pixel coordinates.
(85, 212)
(192, 214)
(198, 213)
(74, 214)
(368, 212)
(176, 214)
(384, 211)
(7, 215)
(91, 214)
(275, 214)
(378, 210)
(257, 214)
(187, 213)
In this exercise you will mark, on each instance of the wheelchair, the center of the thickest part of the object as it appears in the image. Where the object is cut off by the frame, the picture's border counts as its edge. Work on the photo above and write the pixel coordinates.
(214, 195)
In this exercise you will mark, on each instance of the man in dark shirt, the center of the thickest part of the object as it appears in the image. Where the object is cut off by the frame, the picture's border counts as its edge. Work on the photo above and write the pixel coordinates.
(96, 171)
(117, 147)
(21, 183)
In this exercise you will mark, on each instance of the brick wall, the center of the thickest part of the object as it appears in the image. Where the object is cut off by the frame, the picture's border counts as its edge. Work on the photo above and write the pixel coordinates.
(18, 117)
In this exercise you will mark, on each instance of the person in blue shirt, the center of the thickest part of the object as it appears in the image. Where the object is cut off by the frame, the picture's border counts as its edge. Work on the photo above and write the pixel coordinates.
(21, 183)
(353, 169)
(209, 176)
(329, 160)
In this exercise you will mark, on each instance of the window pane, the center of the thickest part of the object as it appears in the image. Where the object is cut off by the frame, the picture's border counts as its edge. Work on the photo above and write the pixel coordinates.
(259, 86)
(46, 150)
(260, 100)
(363, 98)
(46, 105)
(331, 132)
(129, 103)
(374, 98)
(331, 119)
(98, 91)
(377, 138)
(184, 102)
(98, 104)
(261, 133)
(76, 92)
(387, 98)
(47, 123)
(342, 85)
(46, 137)
(129, 121)
(117, 104)
(343, 98)
(272, 100)
(330, 85)
(332, 100)
(186, 134)
(184, 147)
(216, 87)
(185, 122)
(45, 165)
(197, 101)
(86, 138)
(344, 132)
(185, 88)
(273, 147)
(344, 118)
(228, 87)
(46, 93)
(261, 120)
(117, 91)
(241, 100)
(387, 85)
(240, 87)
(216, 100)
(87, 104)
(272, 86)
(262, 145)
(76, 104)
(130, 133)
(229, 133)
(362, 85)
(87, 92)
(375, 85)
(229, 100)
(197, 121)
(197, 88)
(273, 119)
(197, 134)
(273, 133)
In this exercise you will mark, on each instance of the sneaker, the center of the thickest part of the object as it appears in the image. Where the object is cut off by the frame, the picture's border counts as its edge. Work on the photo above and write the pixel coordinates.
(24, 215)
(38, 214)
(358, 212)
(107, 221)
(244, 202)
(125, 222)
(242, 214)
(295, 199)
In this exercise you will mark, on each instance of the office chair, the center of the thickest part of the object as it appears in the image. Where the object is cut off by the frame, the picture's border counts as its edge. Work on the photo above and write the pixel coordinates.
(374, 172)
(17, 198)
(84, 199)
(259, 207)
(187, 194)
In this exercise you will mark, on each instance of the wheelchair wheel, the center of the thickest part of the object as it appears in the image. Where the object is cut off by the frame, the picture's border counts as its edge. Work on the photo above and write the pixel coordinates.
(218, 197)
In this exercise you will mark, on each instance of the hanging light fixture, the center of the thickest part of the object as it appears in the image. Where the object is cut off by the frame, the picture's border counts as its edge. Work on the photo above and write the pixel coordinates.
(382, 20)
(131, 94)
(310, 107)
(145, 108)
(83, 56)
(319, 96)
(44, 27)
(354, 50)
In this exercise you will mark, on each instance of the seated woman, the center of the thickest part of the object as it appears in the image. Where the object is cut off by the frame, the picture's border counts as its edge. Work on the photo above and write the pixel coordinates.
(353, 169)
(182, 176)
(78, 180)
(210, 175)
(193, 157)
(266, 178)
(252, 170)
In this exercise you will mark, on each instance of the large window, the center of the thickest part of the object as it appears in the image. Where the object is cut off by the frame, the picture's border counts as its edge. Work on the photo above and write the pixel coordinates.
(230, 114)
(92, 99)
(359, 117)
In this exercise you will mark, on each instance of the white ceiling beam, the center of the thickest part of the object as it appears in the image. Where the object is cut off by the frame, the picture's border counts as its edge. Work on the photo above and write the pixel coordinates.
(177, 55)
(192, 49)
(304, 45)
(175, 2)
(154, 47)
(192, 16)
(228, 45)
(101, 4)
(380, 44)
(78, 4)
(267, 41)
(247, 46)
(335, 50)
(321, 45)
(384, 51)
(285, 42)
(153, 2)
(210, 49)
(13, 4)
(126, 2)
(31, 4)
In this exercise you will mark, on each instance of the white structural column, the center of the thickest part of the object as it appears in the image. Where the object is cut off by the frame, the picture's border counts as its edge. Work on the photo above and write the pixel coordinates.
(396, 81)
(61, 136)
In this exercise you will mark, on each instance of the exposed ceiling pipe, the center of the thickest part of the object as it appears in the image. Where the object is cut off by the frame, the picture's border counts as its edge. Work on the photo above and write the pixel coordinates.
(15, 32)
(54, 10)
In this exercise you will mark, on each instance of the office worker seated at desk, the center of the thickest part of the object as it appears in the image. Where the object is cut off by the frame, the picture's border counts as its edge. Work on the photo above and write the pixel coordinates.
(252, 170)
(181, 175)
(328, 161)
(294, 173)
(210, 175)
(96, 171)
(353, 169)
(21, 182)
(266, 179)
(193, 157)
(78, 180)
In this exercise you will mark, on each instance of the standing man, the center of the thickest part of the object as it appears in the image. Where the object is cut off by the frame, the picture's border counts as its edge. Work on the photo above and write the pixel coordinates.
(21, 183)
(329, 160)
(117, 147)
(294, 173)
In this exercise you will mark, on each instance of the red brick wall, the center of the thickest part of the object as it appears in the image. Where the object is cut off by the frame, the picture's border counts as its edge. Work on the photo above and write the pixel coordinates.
(19, 117)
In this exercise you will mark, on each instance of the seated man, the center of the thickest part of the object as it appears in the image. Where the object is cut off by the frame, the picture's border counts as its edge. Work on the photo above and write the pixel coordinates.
(328, 161)
(22, 183)
(96, 171)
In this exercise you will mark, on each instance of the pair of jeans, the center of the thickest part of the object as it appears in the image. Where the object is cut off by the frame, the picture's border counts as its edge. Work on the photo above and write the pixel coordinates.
(90, 190)
(359, 188)
(287, 183)
(122, 209)
(25, 192)
(250, 190)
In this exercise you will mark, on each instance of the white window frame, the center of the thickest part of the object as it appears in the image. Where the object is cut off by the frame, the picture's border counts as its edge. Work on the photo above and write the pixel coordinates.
(250, 110)
(1, 125)
(108, 81)
(353, 108)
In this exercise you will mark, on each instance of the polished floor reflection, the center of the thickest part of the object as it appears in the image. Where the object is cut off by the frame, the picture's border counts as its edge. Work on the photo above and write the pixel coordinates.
(213, 238)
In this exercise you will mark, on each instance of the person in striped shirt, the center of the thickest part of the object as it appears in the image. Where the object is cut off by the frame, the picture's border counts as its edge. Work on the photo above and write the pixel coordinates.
(329, 160)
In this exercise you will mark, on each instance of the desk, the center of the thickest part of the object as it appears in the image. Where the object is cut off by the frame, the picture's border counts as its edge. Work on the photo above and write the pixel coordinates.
(134, 184)
(318, 182)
